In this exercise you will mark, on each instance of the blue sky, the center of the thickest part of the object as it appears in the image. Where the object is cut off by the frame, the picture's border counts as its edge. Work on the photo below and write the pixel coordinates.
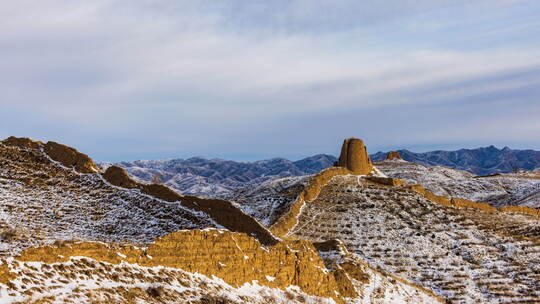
(245, 80)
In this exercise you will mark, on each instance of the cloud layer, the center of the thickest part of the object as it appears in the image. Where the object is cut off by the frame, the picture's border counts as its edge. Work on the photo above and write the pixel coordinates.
(245, 80)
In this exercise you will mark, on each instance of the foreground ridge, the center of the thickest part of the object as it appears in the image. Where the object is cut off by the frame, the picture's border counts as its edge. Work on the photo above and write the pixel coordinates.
(82, 234)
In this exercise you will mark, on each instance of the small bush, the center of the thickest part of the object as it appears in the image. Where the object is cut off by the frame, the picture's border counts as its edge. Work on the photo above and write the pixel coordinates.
(155, 291)
(8, 234)
(214, 300)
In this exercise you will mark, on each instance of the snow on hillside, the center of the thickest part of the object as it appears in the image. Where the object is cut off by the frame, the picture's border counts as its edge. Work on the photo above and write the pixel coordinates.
(84, 280)
(268, 201)
(464, 255)
(219, 178)
(499, 190)
(43, 202)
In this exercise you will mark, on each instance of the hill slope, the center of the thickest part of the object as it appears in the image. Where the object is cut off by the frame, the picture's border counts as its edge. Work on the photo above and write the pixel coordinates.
(42, 201)
(498, 190)
(462, 254)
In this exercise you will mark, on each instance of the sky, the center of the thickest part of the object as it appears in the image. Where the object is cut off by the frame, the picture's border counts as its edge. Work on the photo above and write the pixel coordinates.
(247, 80)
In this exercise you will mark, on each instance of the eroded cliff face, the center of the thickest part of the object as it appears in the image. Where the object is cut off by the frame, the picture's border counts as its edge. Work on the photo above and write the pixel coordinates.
(354, 157)
(23, 142)
(234, 257)
(292, 268)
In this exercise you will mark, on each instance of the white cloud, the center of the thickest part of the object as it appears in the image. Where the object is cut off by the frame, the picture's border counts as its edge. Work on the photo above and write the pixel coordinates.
(189, 69)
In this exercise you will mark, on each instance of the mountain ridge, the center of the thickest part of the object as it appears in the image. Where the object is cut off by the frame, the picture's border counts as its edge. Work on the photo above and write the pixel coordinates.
(480, 161)
(202, 176)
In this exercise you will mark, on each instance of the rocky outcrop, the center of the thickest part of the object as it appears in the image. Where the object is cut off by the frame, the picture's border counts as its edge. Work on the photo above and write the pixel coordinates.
(234, 257)
(222, 212)
(325, 272)
(22, 142)
(354, 157)
(119, 177)
(393, 155)
(67, 156)
(70, 157)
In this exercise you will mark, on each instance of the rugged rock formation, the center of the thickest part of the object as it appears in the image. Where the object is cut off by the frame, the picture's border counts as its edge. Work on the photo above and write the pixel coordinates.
(323, 272)
(67, 156)
(234, 257)
(119, 177)
(70, 157)
(354, 157)
(393, 155)
(23, 142)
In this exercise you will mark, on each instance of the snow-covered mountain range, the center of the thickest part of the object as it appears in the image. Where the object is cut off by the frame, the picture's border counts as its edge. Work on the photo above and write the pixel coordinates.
(200, 176)
(480, 161)
(219, 178)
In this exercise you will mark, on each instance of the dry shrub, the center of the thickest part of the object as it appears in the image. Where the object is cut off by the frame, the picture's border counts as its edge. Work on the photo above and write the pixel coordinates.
(8, 234)
(155, 291)
(214, 300)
